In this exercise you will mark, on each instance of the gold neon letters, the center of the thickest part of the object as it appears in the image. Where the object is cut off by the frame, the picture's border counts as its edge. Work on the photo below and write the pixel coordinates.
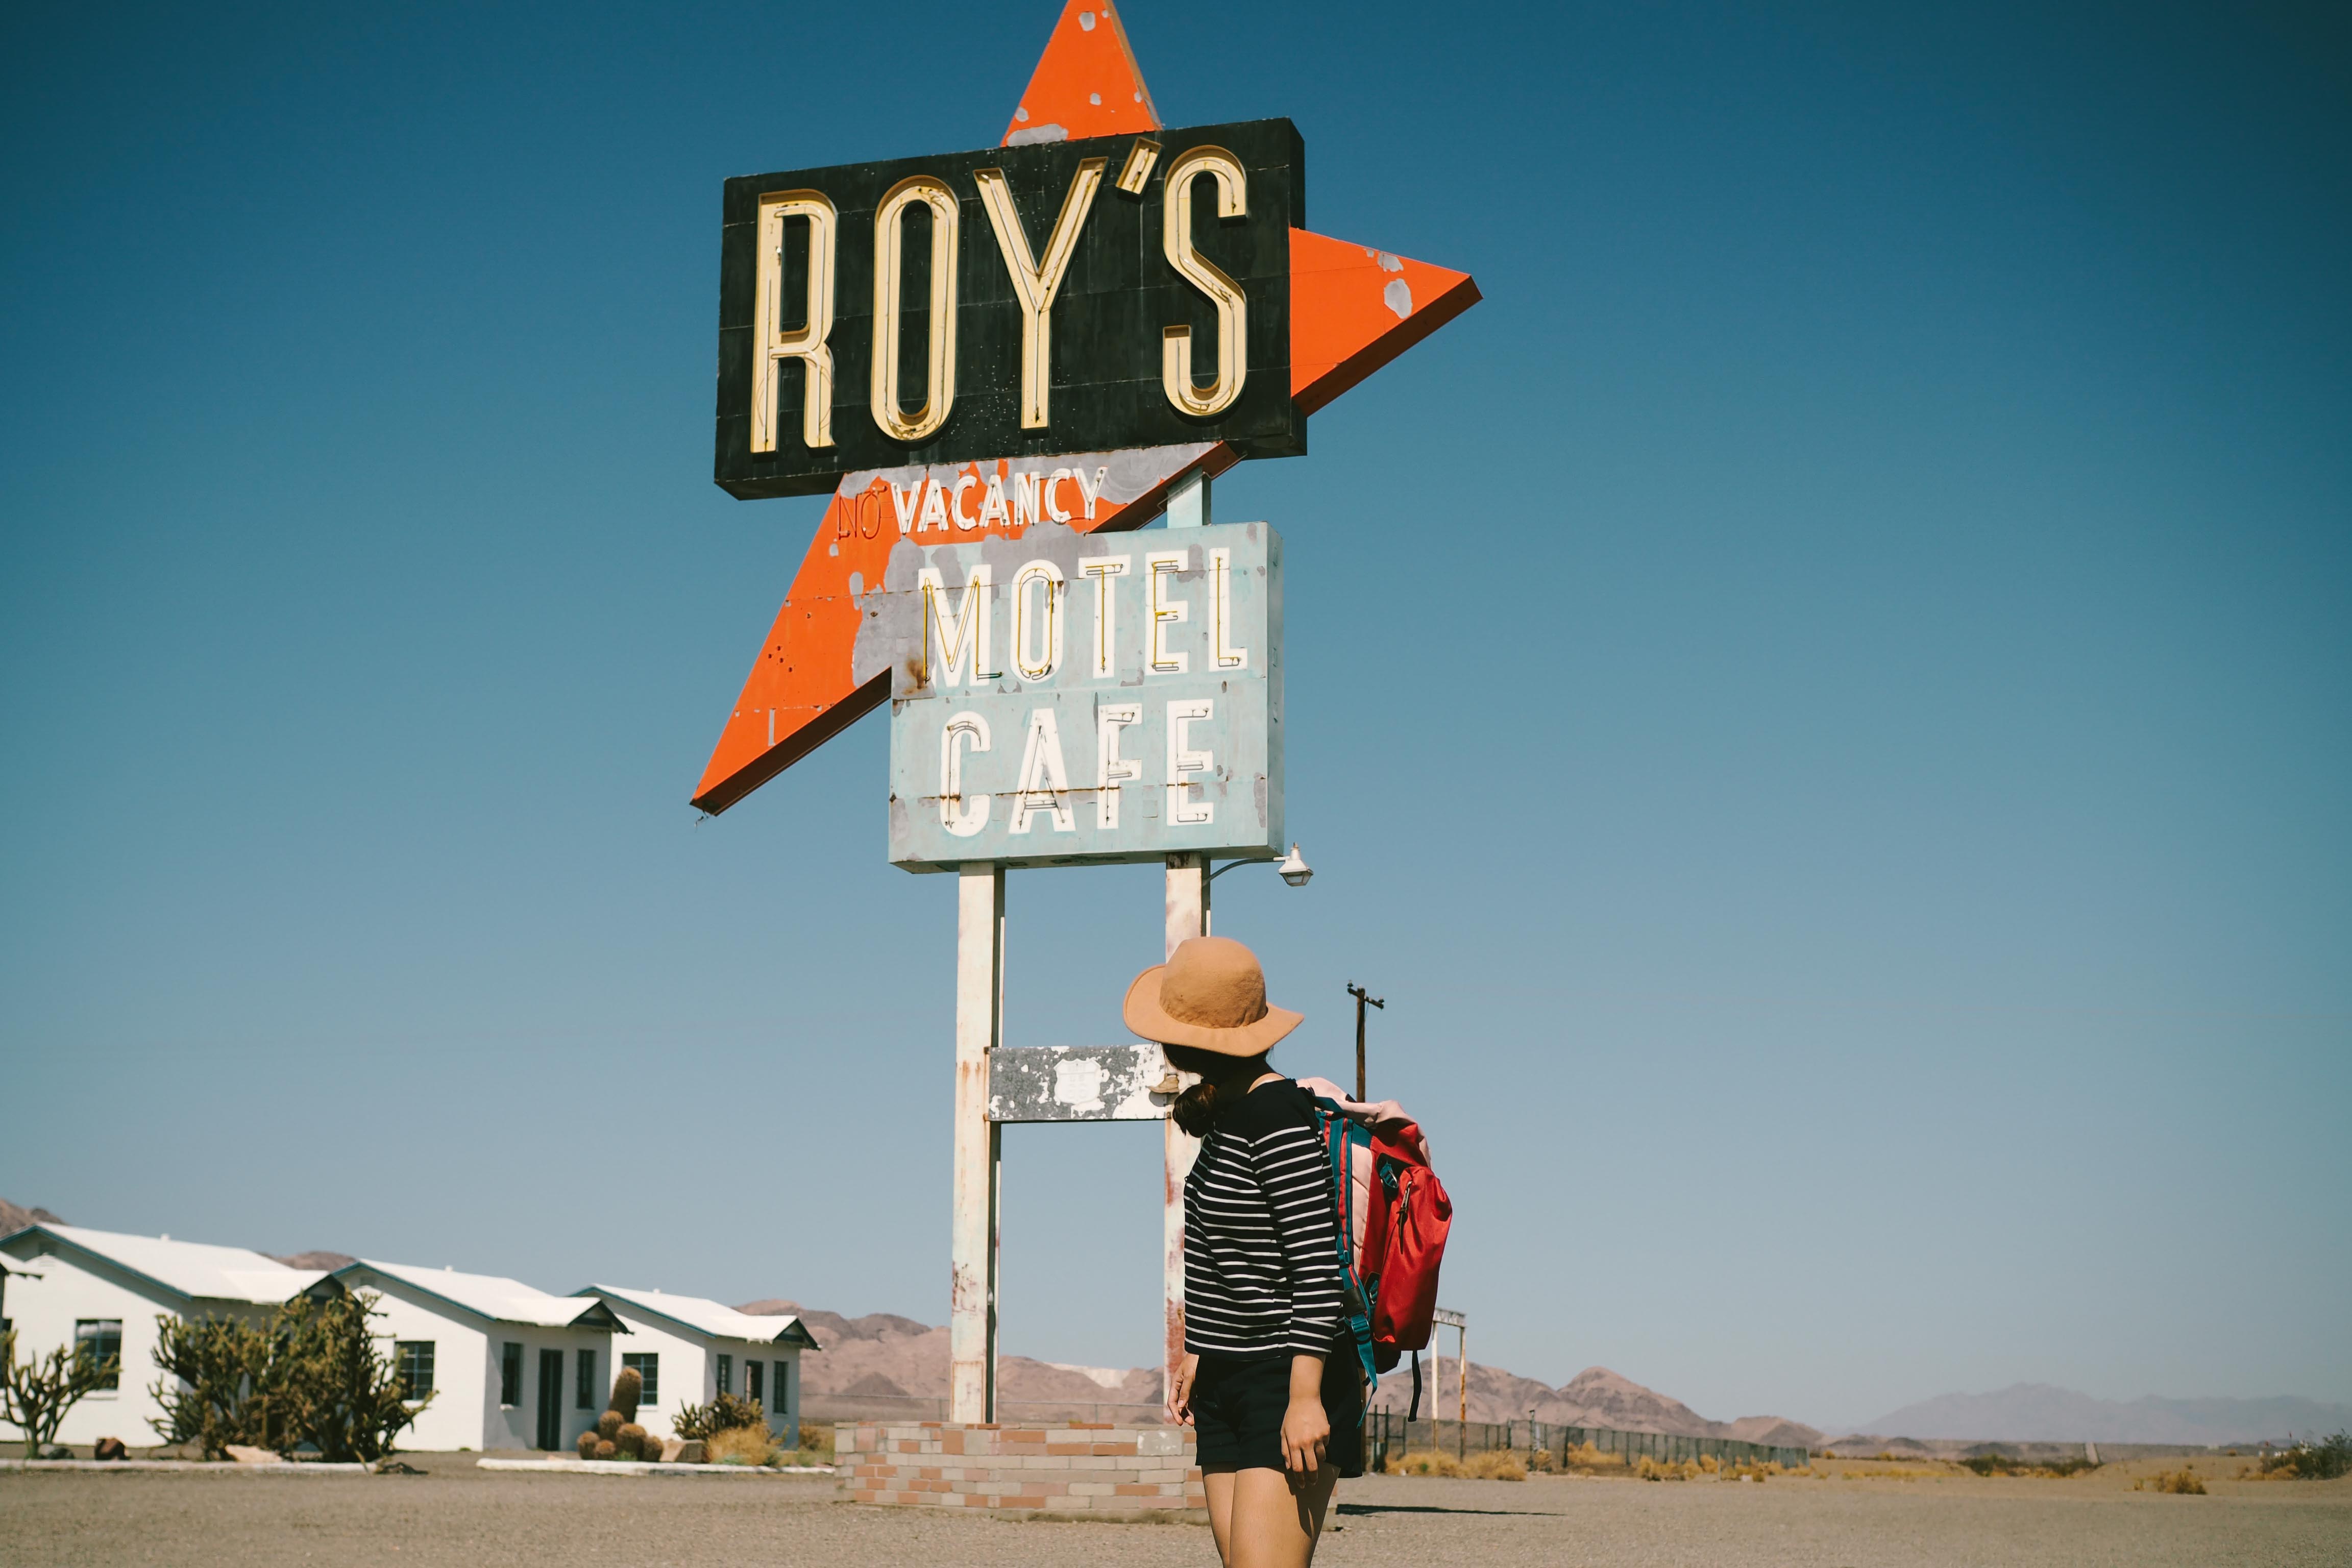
(1036, 285)
(1233, 323)
(889, 258)
(772, 345)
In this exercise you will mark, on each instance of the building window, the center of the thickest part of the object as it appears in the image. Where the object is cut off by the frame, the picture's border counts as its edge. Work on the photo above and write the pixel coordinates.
(783, 1388)
(583, 1393)
(726, 1374)
(413, 1359)
(511, 1374)
(648, 1367)
(754, 1374)
(99, 1340)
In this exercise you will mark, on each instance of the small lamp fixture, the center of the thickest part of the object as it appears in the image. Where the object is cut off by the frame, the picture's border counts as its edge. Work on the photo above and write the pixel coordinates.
(1295, 869)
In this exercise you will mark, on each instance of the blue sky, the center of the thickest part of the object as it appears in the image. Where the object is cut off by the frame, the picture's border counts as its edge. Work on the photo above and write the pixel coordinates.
(1824, 704)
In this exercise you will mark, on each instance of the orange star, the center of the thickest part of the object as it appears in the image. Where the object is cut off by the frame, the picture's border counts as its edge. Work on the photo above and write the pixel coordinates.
(1352, 309)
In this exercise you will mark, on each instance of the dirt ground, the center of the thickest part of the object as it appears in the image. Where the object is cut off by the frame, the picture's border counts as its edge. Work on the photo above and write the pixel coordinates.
(459, 1515)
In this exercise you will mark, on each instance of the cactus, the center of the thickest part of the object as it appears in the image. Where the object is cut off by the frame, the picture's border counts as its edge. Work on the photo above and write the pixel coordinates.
(608, 1425)
(588, 1445)
(607, 1449)
(627, 1389)
(631, 1440)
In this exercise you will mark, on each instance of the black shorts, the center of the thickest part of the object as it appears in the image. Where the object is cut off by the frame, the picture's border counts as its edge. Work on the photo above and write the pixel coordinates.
(1238, 1404)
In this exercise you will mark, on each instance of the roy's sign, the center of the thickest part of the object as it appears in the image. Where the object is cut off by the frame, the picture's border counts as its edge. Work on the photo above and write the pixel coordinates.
(1061, 698)
(1023, 300)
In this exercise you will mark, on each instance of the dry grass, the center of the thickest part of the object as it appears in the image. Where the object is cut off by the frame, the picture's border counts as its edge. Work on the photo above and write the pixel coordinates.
(1650, 1469)
(2004, 1465)
(740, 1445)
(1894, 1473)
(2183, 1482)
(1586, 1459)
(1764, 1471)
(1492, 1465)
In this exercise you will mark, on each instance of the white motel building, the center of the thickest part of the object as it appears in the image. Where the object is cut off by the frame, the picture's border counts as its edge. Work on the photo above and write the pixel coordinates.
(689, 1350)
(509, 1365)
(101, 1292)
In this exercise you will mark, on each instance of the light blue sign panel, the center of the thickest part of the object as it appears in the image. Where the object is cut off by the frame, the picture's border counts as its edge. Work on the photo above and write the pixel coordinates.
(1064, 697)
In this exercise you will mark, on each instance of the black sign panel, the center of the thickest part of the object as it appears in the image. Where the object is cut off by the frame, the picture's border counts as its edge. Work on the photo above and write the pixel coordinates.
(1105, 345)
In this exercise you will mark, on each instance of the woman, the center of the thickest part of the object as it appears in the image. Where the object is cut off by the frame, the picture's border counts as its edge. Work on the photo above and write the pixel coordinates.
(1274, 1393)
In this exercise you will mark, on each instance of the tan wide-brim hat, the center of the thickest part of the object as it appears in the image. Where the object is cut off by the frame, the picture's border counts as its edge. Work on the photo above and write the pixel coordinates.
(1211, 996)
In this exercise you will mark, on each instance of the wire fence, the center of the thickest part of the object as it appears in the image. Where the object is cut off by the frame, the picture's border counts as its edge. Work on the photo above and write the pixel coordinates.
(1388, 1435)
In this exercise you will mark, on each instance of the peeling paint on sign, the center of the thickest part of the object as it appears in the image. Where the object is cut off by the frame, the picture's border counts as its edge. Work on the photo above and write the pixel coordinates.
(1079, 1083)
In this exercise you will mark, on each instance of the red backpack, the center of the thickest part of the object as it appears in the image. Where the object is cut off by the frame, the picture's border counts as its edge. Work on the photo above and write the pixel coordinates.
(1394, 1218)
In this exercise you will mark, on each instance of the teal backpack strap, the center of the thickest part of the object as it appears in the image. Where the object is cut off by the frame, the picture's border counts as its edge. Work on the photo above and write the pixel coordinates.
(1340, 1134)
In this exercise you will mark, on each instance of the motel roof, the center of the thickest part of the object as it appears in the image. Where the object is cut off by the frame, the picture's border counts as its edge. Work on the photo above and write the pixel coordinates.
(488, 1295)
(193, 1270)
(705, 1316)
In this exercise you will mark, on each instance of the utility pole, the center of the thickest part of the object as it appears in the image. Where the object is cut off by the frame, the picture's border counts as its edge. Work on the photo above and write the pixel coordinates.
(1362, 1001)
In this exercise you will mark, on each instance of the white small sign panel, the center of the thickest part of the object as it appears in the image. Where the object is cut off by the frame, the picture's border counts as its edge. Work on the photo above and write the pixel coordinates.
(1065, 698)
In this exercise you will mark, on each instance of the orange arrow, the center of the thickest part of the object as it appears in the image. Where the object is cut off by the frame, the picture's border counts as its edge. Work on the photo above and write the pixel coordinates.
(1352, 309)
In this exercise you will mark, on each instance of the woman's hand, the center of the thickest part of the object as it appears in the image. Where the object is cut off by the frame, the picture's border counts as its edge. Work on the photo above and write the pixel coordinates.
(1305, 1429)
(1180, 1398)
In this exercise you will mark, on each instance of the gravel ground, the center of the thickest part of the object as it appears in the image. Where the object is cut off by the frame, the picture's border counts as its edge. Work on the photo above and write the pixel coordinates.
(461, 1516)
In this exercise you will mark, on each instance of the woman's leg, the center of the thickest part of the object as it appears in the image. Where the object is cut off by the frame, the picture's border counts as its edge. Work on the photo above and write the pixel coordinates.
(1219, 1484)
(1272, 1518)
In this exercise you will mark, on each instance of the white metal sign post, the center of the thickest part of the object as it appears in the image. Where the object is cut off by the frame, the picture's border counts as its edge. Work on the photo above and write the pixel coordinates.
(1064, 700)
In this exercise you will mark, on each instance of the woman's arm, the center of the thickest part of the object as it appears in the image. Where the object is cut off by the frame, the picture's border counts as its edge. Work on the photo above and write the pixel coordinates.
(1305, 1429)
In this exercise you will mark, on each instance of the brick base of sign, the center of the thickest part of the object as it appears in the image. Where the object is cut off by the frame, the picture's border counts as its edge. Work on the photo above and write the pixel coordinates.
(1056, 1468)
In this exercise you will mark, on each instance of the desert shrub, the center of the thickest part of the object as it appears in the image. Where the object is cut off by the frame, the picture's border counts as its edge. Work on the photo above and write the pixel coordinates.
(2183, 1482)
(1496, 1465)
(1428, 1462)
(314, 1374)
(631, 1440)
(341, 1391)
(2323, 1460)
(1999, 1464)
(740, 1445)
(1755, 1472)
(216, 1381)
(607, 1449)
(36, 1395)
(1650, 1469)
(1542, 1462)
(608, 1425)
(724, 1413)
(587, 1444)
(1585, 1458)
(628, 1390)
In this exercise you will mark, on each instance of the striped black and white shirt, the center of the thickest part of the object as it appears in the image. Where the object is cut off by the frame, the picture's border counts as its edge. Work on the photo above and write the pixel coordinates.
(1261, 1260)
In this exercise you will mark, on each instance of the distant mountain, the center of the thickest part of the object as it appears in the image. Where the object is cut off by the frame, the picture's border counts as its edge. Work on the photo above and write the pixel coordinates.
(330, 1262)
(1593, 1397)
(883, 1355)
(2036, 1412)
(14, 1219)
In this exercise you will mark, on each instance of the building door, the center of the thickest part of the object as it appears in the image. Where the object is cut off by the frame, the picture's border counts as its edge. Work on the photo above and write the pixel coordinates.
(551, 1399)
